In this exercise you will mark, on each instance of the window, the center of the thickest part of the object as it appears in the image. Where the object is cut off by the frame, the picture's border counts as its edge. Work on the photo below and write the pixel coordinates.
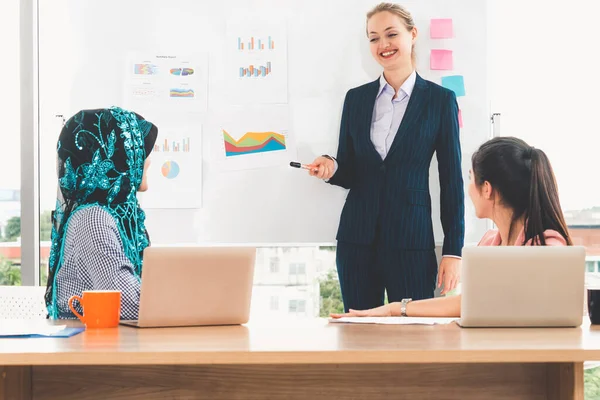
(10, 151)
(297, 274)
(515, 69)
(297, 268)
(293, 306)
(274, 265)
(301, 306)
(530, 77)
(274, 303)
(301, 268)
(297, 306)
(54, 101)
(533, 75)
(590, 266)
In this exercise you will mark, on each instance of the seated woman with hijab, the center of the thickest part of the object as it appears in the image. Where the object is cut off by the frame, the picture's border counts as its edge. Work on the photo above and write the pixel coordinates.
(98, 234)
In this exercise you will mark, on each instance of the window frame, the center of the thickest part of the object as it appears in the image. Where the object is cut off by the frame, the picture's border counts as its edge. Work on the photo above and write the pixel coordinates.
(29, 131)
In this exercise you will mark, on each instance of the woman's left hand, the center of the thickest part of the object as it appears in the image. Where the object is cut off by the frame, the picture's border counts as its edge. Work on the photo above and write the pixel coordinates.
(448, 274)
(383, 311)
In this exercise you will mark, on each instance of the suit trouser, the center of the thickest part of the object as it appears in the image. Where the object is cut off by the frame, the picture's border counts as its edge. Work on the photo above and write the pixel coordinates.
(367, 271)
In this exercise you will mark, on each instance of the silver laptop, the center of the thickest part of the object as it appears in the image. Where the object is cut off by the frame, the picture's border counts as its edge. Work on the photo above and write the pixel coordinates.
(522, 286)
(194, 286)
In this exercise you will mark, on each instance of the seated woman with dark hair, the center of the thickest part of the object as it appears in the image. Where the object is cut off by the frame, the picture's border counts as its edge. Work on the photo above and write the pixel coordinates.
(512, 184)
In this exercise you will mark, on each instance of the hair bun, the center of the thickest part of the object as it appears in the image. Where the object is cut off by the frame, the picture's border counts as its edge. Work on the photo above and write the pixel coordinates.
(529, 152)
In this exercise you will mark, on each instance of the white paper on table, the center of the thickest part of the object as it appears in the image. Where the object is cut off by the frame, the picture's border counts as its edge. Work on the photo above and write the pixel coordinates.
(9, 327)
(394, 320)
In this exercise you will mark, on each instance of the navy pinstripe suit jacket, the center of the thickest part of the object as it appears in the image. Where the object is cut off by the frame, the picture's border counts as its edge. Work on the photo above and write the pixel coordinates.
(391, 197)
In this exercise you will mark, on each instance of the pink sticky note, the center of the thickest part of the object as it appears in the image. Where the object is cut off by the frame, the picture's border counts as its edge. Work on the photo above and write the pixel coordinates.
(441, 59)
(441, 28)
(460, 124)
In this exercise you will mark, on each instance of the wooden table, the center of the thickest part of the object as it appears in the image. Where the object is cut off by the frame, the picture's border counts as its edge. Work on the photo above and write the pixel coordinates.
(312, 360)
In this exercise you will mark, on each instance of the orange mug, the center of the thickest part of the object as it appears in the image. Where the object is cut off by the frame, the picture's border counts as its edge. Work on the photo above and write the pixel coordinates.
(101, 308)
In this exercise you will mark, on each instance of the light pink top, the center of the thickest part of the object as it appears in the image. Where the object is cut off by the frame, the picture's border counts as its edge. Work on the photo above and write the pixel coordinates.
(492, 238)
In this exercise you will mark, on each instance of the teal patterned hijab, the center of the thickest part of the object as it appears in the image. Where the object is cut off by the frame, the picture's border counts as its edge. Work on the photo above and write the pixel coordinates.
(101, 155)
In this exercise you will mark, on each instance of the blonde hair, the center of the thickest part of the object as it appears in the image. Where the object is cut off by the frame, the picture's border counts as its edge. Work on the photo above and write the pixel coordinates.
(400, 12)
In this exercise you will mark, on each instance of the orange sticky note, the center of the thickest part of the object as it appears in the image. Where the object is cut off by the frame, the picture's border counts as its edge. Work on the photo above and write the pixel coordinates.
(441, 28)
(441, 60)
(460, 124)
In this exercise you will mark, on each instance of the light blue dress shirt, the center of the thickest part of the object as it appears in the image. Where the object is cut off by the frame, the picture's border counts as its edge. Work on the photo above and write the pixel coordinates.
(389, 112)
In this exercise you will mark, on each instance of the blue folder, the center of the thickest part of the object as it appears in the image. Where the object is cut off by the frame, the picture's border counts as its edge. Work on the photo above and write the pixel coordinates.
(65, 333)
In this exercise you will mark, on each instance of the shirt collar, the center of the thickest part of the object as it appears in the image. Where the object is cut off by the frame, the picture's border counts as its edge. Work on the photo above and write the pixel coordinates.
(407, 87)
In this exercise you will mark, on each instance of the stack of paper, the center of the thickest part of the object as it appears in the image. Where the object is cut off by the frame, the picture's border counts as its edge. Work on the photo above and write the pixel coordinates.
(395, 320)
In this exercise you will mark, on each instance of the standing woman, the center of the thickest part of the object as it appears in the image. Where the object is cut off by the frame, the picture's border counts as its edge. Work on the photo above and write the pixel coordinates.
(389, 131)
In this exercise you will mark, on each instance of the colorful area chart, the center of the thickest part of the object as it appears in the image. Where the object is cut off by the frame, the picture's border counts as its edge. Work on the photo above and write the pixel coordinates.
(181, 93)
(253, 143)
(170, 170)
(145, 69)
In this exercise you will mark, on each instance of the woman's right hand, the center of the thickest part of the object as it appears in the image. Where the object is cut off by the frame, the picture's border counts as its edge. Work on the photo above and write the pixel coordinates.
(322, 168)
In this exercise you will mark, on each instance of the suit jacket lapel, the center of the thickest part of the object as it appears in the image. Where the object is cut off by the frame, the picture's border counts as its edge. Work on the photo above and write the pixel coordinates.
(416, 105)
(367, 120)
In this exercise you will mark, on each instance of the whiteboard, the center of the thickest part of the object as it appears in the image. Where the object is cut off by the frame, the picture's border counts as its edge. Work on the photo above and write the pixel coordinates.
(85, 44)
